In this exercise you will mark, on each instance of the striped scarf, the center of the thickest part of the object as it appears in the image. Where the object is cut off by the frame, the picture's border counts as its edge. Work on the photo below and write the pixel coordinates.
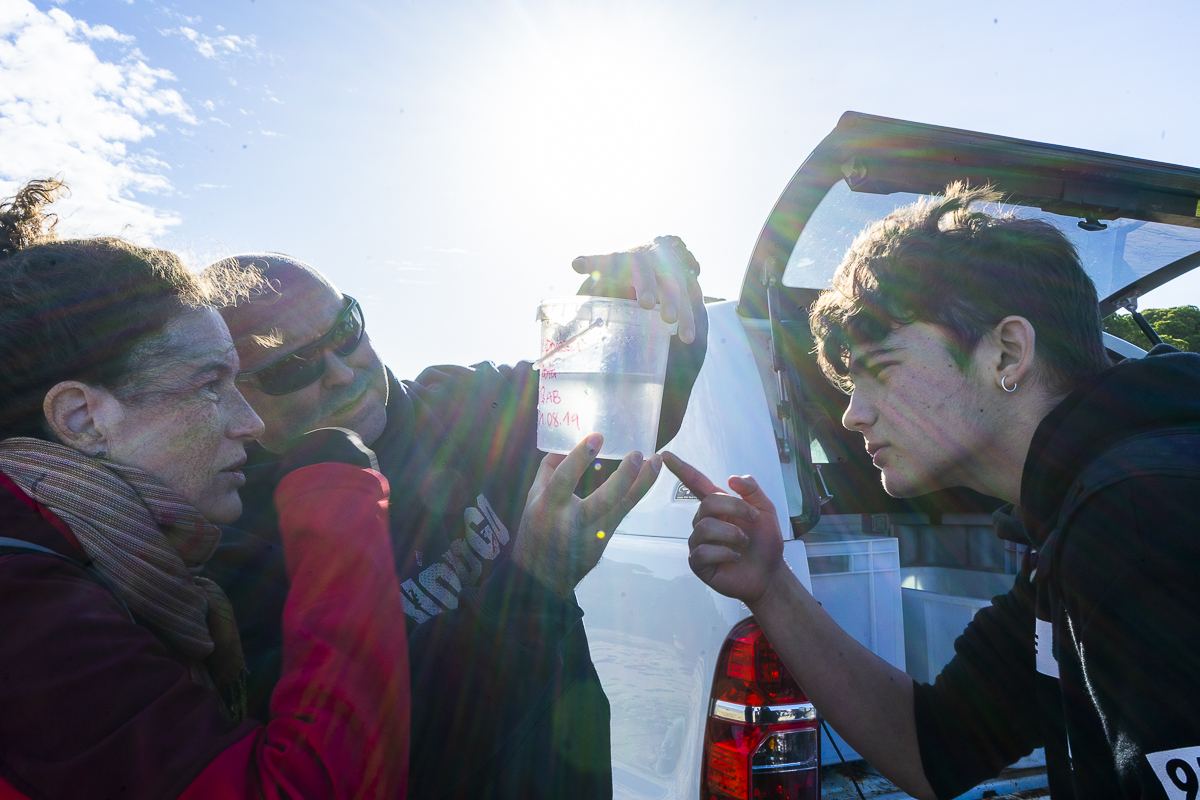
(148, 544)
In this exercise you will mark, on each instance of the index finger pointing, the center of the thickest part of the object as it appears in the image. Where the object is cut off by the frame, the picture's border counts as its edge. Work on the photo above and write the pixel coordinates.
(692, 478)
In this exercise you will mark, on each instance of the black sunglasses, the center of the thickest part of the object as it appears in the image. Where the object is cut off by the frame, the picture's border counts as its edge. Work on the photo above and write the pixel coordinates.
(303, 367)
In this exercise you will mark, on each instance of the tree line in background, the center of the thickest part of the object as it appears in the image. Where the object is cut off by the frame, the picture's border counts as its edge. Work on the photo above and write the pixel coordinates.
(1178, 326)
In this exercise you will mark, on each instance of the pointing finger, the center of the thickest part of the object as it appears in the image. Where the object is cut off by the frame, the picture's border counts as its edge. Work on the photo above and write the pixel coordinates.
(692, 478)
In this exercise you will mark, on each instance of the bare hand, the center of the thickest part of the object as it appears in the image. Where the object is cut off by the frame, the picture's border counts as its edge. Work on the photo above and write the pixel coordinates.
(736, 547)
(663, 271)
(563, 536)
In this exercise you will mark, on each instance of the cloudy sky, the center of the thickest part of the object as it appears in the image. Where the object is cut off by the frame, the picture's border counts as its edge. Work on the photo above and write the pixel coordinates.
(445, 161)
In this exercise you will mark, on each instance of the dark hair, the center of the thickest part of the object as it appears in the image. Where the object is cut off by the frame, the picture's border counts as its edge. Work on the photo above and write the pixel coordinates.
(91, 310)
(938, 261)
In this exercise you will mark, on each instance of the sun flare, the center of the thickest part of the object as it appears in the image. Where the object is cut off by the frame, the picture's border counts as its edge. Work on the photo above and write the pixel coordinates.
(589, 107)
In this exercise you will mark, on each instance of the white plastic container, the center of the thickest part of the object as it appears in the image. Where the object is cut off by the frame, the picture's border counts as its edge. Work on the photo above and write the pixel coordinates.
(603, 362)
(939, 602)
(856, 579)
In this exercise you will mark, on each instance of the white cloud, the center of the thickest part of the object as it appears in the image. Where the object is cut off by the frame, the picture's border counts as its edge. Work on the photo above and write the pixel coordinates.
(216, 47)
(220, 121)
(171, 12)
(63, 111)
(208, 105)
(211, 186)
(270, 133)
(96, 32)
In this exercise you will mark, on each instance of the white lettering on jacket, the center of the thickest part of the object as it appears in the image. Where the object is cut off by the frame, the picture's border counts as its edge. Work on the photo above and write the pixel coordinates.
(459, 567)
(1043, 643)
(1178, 771)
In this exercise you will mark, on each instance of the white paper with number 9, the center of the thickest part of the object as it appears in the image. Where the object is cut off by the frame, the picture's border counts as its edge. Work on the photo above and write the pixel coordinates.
(1178, 770)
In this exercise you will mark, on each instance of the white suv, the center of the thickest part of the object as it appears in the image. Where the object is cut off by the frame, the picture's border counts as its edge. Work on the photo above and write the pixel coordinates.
(701, 708)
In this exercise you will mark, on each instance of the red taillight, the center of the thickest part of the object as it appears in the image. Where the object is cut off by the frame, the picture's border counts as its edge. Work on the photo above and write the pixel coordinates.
(763, 739)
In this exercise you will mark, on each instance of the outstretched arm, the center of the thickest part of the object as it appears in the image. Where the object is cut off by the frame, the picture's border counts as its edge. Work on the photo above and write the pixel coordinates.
(737, 549)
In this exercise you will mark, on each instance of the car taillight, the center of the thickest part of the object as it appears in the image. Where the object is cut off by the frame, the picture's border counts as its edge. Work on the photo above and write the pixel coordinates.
(763, 738)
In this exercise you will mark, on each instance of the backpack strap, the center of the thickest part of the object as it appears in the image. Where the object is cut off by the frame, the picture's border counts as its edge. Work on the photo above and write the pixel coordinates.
(1164, 453)
(19, 547)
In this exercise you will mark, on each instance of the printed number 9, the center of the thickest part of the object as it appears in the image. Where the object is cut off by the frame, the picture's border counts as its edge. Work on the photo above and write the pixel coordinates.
(1183, 776)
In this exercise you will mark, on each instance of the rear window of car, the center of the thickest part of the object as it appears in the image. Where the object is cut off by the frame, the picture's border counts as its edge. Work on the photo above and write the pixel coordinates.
(1124, 251)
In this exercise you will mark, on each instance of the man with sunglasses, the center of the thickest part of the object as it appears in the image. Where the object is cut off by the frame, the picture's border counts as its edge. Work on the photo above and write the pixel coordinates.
(506, 702)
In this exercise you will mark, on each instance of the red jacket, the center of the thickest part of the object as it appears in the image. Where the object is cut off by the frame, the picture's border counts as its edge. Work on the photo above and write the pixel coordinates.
(93, 705)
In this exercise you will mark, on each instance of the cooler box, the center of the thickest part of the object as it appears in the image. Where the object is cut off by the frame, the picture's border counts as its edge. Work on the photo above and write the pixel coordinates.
(938, 604)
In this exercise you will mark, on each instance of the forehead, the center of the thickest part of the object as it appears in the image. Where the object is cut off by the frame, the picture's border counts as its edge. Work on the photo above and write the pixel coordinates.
(196, 341)
(200, 333)
(300, 312)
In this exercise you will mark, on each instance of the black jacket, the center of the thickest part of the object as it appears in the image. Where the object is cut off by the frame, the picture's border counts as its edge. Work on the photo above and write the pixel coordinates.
(505, 700)
(1113, 607)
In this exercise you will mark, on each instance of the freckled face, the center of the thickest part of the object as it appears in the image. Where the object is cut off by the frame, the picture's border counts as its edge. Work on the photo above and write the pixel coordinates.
(920, 414)
(189, 429)
(352, 392)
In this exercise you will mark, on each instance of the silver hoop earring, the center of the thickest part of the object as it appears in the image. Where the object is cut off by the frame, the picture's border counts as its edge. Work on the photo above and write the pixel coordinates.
(1003, 378)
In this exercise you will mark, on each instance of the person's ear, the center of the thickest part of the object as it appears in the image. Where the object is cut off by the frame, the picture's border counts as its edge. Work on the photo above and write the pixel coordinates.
(76, 413)
(1016, 342)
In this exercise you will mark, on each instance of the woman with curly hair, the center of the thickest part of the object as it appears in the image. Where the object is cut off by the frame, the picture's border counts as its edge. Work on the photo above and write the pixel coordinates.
(122, 438)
